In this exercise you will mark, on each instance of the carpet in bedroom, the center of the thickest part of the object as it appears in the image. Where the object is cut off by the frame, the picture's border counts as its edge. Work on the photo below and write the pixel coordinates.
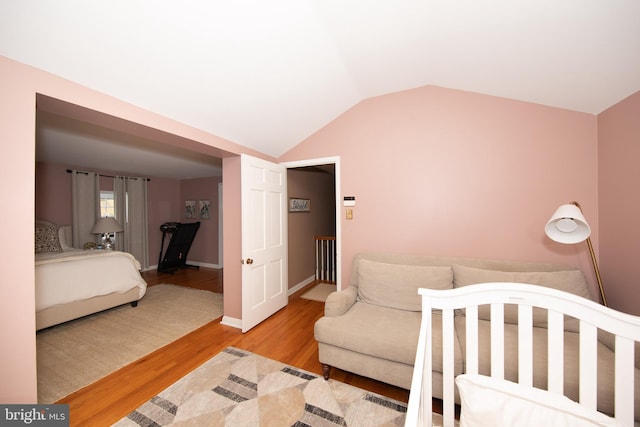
(239, 388)
(77, 353)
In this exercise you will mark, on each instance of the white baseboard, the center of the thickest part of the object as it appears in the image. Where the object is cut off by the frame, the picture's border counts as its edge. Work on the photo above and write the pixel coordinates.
(231, 321)
(301, 285)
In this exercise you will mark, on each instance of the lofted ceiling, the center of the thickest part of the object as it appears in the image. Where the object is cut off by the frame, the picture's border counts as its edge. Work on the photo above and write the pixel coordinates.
(268, 74)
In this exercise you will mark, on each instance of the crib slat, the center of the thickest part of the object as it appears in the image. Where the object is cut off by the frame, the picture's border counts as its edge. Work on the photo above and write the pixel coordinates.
(472, 339)
(588, 365)
(624, 363)
(555, 351)
(447, 368)
(497, 341)
(525, 345)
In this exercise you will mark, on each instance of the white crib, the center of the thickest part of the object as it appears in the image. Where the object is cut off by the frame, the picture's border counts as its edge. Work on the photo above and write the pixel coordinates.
(591, 316)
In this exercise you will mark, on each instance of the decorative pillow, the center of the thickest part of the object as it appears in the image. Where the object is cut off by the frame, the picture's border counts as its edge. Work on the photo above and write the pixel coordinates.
(47, 238)
(492, 402)
(396, 285)
(567, 280)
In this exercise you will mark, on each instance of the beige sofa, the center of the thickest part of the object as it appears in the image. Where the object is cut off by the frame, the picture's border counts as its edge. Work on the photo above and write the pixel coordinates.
(371, 328)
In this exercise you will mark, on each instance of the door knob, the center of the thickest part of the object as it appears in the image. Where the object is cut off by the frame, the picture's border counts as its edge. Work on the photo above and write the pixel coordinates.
(249, 261)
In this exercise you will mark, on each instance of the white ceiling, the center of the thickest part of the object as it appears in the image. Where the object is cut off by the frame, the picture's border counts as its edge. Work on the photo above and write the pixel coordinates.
(268, 74)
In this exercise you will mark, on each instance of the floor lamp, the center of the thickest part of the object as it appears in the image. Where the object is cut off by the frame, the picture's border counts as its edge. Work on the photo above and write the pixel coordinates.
(568, 225)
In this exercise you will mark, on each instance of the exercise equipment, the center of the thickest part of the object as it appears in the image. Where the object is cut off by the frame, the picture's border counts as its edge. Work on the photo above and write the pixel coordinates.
(175, 255)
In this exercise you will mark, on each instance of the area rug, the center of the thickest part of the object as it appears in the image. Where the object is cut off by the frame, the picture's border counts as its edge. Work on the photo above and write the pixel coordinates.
(238, 388)
(320, 292)
(77, 353)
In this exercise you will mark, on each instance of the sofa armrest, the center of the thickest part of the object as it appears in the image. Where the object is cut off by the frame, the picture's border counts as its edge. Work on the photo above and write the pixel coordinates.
(338, 303)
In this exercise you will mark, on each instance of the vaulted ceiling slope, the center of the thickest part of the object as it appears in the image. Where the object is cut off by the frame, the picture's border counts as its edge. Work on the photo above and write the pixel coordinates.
(267, 74)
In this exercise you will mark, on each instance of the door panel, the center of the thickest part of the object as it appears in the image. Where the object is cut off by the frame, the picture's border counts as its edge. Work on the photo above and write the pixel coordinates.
(264, 240)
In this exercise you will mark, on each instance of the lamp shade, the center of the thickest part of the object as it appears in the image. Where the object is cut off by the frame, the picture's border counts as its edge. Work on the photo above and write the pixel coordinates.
(106, 225)
(568, 225)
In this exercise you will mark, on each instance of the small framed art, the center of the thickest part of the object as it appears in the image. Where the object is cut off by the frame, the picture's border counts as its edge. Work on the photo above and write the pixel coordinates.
(190, 209)
(299, 205)
(205, 206)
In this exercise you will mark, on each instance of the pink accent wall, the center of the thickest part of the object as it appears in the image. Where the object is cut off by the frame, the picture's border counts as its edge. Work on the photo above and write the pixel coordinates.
(619, 176)
(444, 172)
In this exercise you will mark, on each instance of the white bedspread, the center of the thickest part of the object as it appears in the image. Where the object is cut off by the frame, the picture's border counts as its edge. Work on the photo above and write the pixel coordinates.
(77, 275)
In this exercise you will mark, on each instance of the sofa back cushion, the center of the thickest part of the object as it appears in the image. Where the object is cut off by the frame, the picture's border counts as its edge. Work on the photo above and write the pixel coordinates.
(396, 285)
(572, 281)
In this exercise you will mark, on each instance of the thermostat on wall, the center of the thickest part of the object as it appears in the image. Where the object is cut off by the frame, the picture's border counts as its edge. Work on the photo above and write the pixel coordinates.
(349, 200)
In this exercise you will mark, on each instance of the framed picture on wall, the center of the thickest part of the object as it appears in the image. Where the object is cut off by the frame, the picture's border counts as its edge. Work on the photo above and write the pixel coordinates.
(190, 209)
(204, 206)
(299, 205)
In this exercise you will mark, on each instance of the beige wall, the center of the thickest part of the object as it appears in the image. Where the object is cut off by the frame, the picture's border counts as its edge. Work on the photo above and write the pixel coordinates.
(619, 179)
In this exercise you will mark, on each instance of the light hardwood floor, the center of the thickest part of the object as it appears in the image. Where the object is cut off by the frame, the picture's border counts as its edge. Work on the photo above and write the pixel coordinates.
(287, 336)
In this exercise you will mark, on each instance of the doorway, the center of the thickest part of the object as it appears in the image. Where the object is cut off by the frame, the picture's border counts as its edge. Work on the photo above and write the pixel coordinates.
(318, 181)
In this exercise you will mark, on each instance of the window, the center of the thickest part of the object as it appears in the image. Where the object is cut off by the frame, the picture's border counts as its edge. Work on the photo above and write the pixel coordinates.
(107, 206)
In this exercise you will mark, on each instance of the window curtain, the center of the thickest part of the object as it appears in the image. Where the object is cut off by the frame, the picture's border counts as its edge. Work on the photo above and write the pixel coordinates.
(85, 195)
(130, 200)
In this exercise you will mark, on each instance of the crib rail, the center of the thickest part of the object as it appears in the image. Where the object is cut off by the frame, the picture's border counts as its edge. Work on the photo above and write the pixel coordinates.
(591, 317)
(326, 259)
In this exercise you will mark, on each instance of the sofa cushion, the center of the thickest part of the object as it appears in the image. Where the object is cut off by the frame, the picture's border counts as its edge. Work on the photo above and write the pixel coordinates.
(569, 281)
(396, 285)
(382, 332)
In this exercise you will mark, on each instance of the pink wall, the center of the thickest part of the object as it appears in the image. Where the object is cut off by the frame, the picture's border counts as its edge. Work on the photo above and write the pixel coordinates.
(444, 172)
(435, 171)
(166, 203)
(17, 183)
(53, 193)
(163, 206)
(19, 85)
(619, 176)
(318, 187)
(232, 242)
(205, 244)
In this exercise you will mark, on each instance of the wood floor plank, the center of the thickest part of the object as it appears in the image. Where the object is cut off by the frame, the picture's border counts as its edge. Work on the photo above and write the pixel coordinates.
(287, 336)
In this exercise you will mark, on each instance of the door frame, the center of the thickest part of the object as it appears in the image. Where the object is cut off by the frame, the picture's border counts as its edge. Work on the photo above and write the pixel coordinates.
(335, 160)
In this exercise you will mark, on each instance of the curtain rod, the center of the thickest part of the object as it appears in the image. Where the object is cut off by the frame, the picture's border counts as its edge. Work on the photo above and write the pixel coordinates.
(111, 176)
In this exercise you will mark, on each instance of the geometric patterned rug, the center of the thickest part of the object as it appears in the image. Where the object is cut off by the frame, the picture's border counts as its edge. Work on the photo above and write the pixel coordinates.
(239, 388)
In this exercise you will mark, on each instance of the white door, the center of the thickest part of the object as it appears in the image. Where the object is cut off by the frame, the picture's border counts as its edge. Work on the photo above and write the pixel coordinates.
(264, 240)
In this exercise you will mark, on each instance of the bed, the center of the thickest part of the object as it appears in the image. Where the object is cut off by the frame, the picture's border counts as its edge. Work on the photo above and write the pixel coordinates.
(71, 283)
(488, 399)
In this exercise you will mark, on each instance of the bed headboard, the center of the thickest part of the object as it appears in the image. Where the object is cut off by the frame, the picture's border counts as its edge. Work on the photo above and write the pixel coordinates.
(595, 322)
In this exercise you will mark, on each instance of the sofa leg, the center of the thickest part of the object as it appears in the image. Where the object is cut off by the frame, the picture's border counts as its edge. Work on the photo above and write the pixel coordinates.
(326, 369)
(134, 303)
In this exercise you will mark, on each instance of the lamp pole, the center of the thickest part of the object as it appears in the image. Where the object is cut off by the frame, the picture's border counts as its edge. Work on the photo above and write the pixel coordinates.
(594, 262)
